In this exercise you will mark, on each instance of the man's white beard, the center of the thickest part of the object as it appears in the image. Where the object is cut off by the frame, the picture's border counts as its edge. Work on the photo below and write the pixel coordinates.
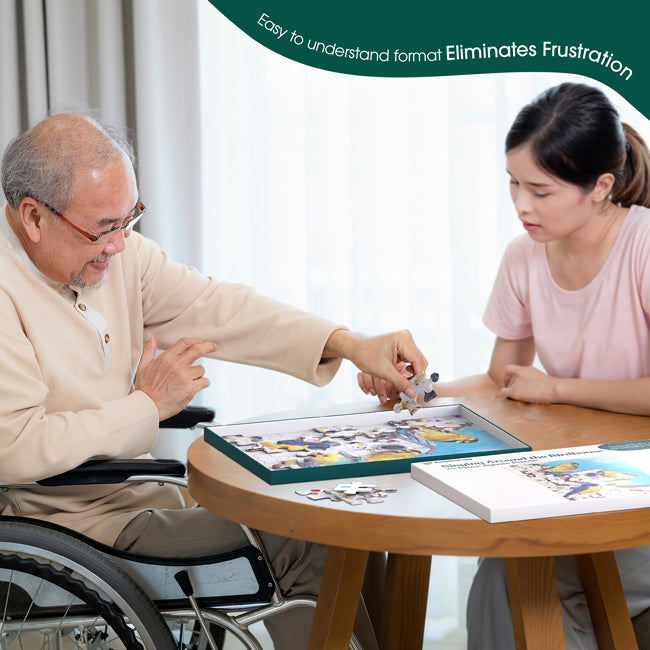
(78, 283)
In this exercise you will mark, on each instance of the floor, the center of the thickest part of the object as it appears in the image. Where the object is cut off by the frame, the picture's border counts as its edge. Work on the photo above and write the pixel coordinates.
(453, 640)
(445, 624)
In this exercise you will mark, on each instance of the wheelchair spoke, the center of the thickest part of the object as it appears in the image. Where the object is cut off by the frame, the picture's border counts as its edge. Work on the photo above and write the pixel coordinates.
(56, 591)
(29, 609)
(6, 605)
(33, 583)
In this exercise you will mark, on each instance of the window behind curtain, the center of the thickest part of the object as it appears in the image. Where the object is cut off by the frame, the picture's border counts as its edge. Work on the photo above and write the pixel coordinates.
(379, 203)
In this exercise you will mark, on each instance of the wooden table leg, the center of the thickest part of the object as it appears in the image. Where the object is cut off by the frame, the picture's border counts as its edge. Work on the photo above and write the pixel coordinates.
(338, 599)
(609, 613)
(405, 602)
(534, 603)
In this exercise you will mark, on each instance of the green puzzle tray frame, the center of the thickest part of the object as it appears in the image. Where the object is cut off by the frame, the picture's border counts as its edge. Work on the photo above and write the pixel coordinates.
(492, 440)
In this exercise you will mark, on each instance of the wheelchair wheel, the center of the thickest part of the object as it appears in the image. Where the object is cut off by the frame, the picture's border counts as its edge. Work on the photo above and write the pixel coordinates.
(58, 592)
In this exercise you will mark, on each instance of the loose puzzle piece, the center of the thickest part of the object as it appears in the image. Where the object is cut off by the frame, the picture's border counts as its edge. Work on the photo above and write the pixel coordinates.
(423, 386)
(354, 488)
(244, 441)
(354, 494)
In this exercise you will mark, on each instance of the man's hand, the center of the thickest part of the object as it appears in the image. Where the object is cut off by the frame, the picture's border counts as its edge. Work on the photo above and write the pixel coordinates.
(386, 361)
(170, 379)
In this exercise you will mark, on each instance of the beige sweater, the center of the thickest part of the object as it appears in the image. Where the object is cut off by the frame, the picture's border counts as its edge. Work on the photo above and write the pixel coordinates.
(68, 362)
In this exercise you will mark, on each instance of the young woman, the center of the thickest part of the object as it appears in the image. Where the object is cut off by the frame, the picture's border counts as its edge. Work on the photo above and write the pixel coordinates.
(573, 290)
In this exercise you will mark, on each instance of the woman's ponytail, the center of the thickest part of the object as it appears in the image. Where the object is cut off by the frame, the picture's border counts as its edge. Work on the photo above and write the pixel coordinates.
(632, 184)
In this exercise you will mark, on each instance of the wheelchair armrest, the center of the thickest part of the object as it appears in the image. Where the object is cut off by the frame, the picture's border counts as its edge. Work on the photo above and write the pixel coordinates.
(189, 417)
(120, 470)
(116, 471)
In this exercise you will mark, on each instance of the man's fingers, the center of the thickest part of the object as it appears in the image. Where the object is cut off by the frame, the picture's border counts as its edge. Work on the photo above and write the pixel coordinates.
(410, 353)
(149, 350)
(190, 349)
(196, 372)
(188, 343)
(200, 384)
(199, 350)
(402, 384)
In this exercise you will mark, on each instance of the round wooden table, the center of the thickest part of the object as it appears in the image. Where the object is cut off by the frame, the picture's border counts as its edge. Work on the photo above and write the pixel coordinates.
(415, 523)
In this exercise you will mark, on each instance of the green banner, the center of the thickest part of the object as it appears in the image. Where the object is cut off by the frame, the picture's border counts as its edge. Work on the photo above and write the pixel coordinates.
(603, 41)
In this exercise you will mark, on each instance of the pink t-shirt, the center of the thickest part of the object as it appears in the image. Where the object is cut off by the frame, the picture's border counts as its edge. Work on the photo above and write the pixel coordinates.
(601, 331)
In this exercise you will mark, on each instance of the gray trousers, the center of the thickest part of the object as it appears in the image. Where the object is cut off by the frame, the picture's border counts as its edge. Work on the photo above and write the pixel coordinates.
(489, 624)
(298, 565)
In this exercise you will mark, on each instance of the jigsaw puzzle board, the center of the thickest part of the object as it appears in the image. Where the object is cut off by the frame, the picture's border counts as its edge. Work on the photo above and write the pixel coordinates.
(359, 444)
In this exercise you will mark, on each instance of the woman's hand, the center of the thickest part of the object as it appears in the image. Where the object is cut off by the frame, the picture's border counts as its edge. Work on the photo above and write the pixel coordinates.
(381, 388)
(528, 384)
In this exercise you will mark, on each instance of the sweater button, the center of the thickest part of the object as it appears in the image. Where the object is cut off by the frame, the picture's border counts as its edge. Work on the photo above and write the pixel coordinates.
(82, 307)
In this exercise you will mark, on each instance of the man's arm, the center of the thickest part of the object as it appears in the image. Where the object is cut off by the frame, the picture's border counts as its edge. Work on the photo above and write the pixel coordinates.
(248, 327)
(504, 354)
(387, 360)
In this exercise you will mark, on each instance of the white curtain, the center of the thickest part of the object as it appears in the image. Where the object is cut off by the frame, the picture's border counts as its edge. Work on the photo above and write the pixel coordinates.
(379, 203)
(131, 62)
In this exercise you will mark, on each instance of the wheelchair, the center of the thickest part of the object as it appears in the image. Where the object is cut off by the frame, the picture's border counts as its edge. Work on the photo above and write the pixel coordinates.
(60, 589)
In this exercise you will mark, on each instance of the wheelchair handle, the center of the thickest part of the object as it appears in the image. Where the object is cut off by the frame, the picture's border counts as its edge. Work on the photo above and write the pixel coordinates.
(183, 579)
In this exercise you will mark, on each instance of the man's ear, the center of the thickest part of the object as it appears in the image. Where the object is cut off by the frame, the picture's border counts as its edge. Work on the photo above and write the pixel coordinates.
(603, 187)
(30, 217)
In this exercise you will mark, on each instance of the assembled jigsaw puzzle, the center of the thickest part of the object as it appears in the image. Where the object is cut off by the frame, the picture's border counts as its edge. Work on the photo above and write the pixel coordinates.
(362, 444)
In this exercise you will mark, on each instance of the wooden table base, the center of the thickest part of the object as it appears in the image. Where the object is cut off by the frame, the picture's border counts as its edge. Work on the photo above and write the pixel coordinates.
(403, 609)
(405, 602)
(534, 603)
(609, 613)
(338, 599)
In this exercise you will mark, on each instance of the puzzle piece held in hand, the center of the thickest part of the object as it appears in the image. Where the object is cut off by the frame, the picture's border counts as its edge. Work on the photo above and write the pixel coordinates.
(423, 386)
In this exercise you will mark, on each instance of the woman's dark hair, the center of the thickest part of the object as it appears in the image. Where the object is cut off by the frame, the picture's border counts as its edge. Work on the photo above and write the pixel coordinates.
(575, 134)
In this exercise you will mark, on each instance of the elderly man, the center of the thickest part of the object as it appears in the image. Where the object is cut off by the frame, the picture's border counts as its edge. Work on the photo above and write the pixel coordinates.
(85, 302)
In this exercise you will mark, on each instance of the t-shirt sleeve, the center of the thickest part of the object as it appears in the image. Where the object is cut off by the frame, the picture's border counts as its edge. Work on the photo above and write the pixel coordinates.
(641, 262)
(507, 313)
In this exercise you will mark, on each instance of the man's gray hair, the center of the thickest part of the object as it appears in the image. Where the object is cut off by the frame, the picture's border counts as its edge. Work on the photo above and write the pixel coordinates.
(42, 162)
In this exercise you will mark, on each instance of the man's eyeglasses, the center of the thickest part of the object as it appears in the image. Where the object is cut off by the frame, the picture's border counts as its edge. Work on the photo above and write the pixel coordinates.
(126, 225)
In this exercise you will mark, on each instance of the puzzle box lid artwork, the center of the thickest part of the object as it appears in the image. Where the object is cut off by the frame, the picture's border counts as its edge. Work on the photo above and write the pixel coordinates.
(360, 444)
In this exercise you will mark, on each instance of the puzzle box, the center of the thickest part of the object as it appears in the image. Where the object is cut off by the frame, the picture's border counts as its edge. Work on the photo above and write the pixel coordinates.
(360, 444)
(548, 483)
